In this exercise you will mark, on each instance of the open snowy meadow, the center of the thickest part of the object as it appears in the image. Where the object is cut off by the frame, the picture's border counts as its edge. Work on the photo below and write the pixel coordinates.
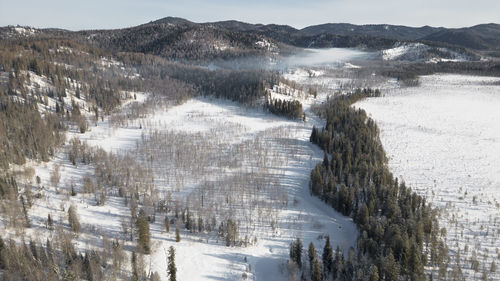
(443, 139)
(217, 158)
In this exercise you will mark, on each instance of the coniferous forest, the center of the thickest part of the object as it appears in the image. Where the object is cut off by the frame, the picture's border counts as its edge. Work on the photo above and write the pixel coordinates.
(399, 231)
(125, 153)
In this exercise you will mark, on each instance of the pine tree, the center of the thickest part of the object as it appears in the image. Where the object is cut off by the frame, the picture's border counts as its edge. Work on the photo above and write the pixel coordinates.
(312, 254)
(135, 275)
(172, 270)
(325, 159)
(374, 273)
(363, 216)
(298, 252)
(327, 257)
(336, 262)
(391, 268)
(50, 222)
(316, 271)
(142, 225)
(416, 267)
(177, 235)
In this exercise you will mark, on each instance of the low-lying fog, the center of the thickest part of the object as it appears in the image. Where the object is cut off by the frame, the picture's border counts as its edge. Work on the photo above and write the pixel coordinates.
(323, 57)
(333, 57)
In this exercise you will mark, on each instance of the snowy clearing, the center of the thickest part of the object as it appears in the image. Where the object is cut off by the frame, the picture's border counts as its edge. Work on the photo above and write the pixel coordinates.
(443, 140)
(231, 125)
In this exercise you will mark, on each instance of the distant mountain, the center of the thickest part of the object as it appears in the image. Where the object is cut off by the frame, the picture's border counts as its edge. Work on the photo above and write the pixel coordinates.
(397, 32)
(299, 38)
(173, 20)
(282, 33)
(485, 37)
(181, 39)
(479, 37)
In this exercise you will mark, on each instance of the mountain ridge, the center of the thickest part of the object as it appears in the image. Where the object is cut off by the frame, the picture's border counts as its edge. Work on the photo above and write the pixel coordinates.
(231, 38)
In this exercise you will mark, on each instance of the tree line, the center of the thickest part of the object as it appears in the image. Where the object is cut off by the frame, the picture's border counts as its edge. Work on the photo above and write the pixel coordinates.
(399, 230)
(289, 108)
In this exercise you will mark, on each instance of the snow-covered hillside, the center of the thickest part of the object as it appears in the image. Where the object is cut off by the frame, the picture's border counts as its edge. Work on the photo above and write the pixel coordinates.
(228, 142)
(443, 140)
(419, 52)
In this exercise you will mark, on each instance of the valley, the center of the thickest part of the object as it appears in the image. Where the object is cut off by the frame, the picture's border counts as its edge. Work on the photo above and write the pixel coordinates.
(248, 152)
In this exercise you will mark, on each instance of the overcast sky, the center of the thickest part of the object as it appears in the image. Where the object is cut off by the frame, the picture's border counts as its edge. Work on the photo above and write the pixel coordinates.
(98, 14)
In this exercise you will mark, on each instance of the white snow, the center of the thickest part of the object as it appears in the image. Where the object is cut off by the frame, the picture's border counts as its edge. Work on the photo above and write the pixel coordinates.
(420, 52)
(265, 44)
(203, 256)
(443, 140)
(308, 218)
(25, 31)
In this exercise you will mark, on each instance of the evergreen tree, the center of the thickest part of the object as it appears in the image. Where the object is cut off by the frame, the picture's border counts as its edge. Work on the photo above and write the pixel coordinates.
(312, 254)
(416, 267)
(298, 252)
(336, 262)
(316, 270)
(177, 235)
(135, 275)
(142, 225)
(391, 268)
(325, 159)
(327, 257)
(374, 273)
(172, 270)
(50, 222)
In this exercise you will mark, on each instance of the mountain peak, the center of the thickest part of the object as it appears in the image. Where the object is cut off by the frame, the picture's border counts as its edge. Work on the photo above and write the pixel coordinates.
(172, 20)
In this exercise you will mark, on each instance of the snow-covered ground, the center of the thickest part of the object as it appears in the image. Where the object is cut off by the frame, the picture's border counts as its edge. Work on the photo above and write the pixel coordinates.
(443, 139)
(414, 52)
(200, 256)
(306, 217)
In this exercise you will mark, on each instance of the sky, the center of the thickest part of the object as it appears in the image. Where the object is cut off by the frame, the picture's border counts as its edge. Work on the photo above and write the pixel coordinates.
(106, 14)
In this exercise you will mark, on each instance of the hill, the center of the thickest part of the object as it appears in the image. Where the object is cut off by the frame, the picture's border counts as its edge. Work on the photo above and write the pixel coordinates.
(397, 32)
(484, 37)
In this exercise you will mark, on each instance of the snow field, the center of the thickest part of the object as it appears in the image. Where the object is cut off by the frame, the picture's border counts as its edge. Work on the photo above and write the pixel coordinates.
(307, 217)
(268, 151)
(421, 52)
(443, 139)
